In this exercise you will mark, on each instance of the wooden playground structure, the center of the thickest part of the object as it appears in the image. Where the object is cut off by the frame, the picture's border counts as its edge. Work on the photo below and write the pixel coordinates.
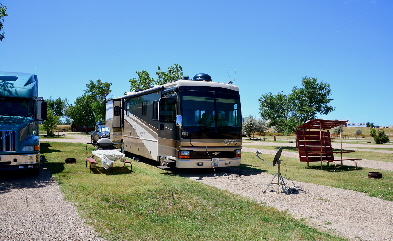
(314, 142)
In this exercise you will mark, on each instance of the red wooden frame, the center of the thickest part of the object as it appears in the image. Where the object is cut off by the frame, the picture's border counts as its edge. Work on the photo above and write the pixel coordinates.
(315, 144)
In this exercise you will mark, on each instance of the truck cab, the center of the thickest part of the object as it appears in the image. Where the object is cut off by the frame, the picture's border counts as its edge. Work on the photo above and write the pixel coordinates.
(21, 110)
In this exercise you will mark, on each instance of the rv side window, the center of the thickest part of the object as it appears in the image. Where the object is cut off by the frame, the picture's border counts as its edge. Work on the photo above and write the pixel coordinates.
(144, 107)
(167, 110)
(116, 111)
(155, 110)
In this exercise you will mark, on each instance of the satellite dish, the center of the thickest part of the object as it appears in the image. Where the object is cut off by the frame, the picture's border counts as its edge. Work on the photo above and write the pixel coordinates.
(276, 159)
(280, 180)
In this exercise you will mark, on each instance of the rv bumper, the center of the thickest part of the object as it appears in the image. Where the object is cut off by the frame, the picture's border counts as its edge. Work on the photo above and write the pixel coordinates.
(19, 162)
(208, 163)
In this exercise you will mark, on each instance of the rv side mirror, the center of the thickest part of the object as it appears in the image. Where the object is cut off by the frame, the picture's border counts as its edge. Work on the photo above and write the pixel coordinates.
(42, 110)
(179, 120)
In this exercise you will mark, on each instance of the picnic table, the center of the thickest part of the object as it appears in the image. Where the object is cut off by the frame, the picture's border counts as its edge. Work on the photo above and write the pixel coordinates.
(313, 140)
(107, 158)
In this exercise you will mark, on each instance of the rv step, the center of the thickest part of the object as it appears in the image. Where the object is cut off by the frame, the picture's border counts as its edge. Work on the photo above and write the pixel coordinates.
(163, 167)
(169, 161)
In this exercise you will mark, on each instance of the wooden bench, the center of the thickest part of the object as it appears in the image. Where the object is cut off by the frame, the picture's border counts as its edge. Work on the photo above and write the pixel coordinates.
(127, 161)
(91, 162)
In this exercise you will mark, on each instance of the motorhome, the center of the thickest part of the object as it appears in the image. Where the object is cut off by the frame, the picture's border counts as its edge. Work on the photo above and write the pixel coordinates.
(20, 112)
(188, 123)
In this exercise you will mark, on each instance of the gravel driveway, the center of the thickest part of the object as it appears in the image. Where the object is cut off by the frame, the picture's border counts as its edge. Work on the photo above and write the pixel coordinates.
(345, 213)
(33, 208)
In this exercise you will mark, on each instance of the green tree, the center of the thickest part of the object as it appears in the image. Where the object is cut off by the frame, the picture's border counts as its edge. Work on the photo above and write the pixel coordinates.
(145, 81)
(174, 72)
(311, 100)
(358, 132)
(338, 130)
(276, 109)
(260, 126)
(286, 112)
(379, 136)
(58, 106)
(3, 13)
(249, 125)
(97, 92)
(81, 112)
(252, 125)
(51, 122)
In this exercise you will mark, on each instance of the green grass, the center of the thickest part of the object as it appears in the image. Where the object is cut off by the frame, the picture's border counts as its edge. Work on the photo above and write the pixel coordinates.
(347, 137)
(346, 177)
(151, 204)
(369, 155)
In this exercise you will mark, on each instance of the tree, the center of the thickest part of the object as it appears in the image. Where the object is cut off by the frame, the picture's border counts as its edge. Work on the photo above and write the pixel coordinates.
(311, 100)
(3, 13)
(51, 122)
(286, 112)
(249, 125)
(58, 106)
(98, 92)
(368, 124)
(260, 126)
(379, 136)
(81, 112)
(338, 130)
(252, 125)
(145, 81)
(358, 132)
(174, 72)
(277, 109)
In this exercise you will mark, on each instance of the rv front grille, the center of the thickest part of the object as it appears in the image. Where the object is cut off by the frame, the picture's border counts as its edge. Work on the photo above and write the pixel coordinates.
(7, 141)
(212, 154)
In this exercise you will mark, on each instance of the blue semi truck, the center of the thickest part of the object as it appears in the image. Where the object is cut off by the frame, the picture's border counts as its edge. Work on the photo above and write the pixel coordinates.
(21, 110)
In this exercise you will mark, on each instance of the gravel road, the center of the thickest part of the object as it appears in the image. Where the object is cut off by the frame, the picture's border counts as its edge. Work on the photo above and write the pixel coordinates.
(33, 208)
(345, 213)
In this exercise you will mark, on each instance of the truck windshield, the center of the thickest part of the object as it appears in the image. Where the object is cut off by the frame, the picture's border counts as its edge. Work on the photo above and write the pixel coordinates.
(210, 109)
(16, 107)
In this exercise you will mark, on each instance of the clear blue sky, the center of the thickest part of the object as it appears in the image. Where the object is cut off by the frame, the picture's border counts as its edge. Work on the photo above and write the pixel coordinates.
(271, 45)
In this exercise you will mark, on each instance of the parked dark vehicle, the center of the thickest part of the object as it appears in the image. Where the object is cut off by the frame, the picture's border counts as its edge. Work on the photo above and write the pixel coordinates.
(100, 132)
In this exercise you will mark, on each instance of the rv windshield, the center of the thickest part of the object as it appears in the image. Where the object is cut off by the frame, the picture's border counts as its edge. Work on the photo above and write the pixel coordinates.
(210, 109)
(16, 107)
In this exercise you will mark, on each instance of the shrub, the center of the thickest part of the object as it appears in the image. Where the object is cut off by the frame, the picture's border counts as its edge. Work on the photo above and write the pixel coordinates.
(379, 136)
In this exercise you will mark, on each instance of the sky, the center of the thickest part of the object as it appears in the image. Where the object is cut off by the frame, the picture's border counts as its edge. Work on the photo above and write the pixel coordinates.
(264, 46)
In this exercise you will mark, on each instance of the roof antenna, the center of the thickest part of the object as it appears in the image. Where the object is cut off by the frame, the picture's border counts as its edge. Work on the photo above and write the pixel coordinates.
(234, 78)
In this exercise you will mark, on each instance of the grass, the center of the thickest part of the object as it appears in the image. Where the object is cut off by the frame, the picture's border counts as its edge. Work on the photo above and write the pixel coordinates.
(369, 155)
(346, 177)
(151, 204)
(348, 136)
